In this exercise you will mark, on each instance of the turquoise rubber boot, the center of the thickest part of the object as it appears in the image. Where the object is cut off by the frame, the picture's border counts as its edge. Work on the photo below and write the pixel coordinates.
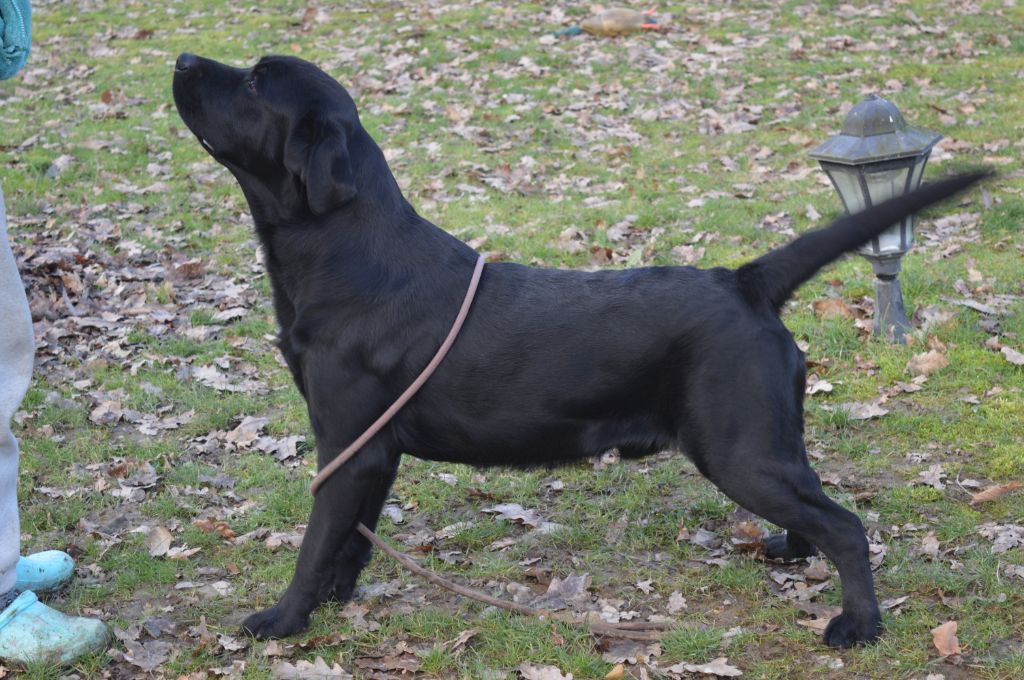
(43, 571)
(31, 632)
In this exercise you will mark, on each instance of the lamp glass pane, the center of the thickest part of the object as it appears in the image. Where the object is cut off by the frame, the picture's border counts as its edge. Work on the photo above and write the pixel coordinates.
(915, 180)
(885, 184)
(890, 241)
(847, 181)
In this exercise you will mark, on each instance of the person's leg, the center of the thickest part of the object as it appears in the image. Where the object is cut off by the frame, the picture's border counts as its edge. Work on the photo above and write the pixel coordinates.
(30, 631)
(16, 354)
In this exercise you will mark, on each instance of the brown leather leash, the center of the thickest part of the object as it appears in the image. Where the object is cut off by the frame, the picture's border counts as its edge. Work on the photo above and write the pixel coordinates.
(642, 630)
(385, 417)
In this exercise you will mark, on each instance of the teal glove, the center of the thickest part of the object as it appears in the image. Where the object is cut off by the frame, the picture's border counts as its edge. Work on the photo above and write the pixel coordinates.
(15, 29)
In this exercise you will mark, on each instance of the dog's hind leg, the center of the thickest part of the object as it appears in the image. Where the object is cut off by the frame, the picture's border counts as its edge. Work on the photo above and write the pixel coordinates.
(786, 491)
(788, 546)
(338, 506)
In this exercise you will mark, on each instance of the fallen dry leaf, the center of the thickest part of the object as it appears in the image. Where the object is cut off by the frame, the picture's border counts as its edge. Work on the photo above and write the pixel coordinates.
(215, 526)
(1004, 537)
(278, 539)
(719, 667)
(944, 639)
(818, 625)
(933, 476)
(400, 663)
(1013, 356)
(232, 644)
(893, 603)
(530, 671)
(616, 673)
(631, 652)
(304, 670)
(877, 552)
(687, 254)
(676, 603)
(108, 412)
(211, 377)
(817, 570)
(747, 535)
(1014, 570)
(282, 449)
(822, 613)
(566, 592)
(148, 655)
(328, 640)
(181, 552)
(356, 613)
(514, 512)
(247, 431)
(863, 410)
(704, 538)
(832, 308)
(460, 640)
(646, 587)
(816, 385)
(993, 492)
(275, 648)
(927, 363)
(158, 540)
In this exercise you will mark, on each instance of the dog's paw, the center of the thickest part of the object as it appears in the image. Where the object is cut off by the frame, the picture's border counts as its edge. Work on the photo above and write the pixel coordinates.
(780, 547)
(846, 630)
(342, 593)
(275, 622)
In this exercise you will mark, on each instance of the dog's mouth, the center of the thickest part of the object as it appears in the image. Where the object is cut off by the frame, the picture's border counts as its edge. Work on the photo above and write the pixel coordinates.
(205, 143)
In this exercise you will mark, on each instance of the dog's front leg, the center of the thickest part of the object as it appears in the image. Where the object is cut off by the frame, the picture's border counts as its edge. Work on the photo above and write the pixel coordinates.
(343, 500)
(355, 553)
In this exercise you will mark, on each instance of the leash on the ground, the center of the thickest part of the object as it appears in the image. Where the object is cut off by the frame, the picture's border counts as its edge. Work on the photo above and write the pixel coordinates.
(640, 630)
(643, 630)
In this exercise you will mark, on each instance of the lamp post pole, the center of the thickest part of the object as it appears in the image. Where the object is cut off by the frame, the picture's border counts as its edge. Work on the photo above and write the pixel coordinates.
(890, 313)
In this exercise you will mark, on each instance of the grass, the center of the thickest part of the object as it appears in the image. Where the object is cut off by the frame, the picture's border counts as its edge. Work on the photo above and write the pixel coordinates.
(581, 133)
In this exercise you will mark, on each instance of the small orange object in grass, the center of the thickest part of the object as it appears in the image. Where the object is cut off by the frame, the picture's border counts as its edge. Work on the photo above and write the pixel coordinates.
(619, 21)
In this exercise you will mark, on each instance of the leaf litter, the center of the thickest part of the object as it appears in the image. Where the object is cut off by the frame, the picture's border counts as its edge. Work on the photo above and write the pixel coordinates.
(101, 274)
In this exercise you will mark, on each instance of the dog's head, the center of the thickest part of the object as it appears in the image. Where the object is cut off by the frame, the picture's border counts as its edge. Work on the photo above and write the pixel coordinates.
(283, 127)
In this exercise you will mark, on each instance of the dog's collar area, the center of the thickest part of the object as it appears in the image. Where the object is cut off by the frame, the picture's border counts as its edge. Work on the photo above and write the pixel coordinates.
(420, 380)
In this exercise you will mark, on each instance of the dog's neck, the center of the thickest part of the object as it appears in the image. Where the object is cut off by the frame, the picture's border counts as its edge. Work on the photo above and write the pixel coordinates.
(386, 237)
(375, 242)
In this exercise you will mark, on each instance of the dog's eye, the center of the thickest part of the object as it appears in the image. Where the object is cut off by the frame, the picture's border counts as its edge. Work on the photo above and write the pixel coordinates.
(251, 83)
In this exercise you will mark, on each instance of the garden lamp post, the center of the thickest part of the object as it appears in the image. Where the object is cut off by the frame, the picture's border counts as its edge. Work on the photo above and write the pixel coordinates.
(875, 157)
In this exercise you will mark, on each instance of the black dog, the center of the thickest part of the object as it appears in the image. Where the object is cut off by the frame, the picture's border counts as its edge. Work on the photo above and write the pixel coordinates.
(551, 365)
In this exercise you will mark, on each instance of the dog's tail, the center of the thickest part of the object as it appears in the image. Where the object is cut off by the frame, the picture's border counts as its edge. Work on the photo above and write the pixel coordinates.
(776, 275)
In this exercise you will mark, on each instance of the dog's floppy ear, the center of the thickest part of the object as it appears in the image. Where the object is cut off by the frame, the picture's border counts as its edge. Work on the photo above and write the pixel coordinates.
(318, 155)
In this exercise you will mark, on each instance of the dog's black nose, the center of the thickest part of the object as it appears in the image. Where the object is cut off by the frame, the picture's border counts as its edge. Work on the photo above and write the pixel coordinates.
(186, 62)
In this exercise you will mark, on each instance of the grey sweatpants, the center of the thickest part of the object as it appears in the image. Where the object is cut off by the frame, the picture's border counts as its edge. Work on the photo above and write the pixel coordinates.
(17, 348)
